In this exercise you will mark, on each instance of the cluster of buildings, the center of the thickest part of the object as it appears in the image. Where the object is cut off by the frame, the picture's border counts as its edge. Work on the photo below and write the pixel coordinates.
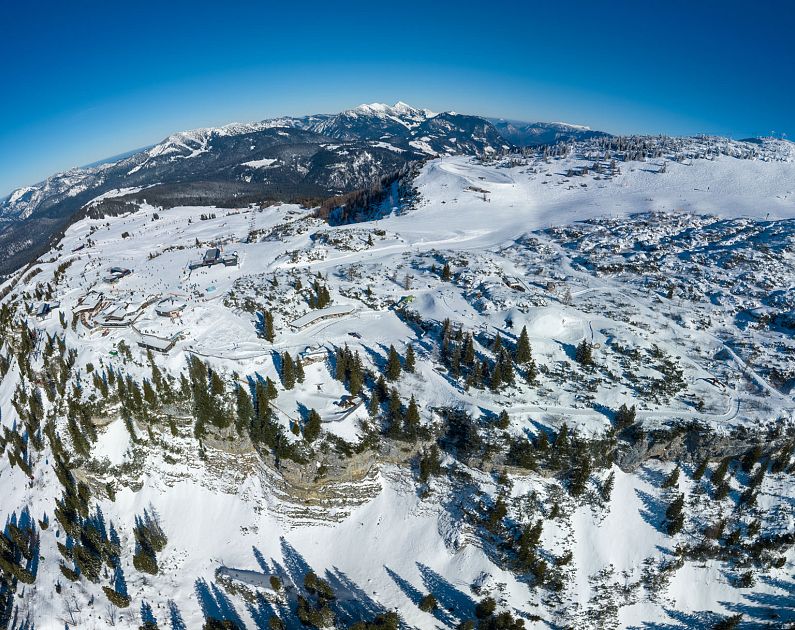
(97, 310)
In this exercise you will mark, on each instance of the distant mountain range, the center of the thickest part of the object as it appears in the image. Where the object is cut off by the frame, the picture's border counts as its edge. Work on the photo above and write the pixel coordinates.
(524, 134)
(284, 159)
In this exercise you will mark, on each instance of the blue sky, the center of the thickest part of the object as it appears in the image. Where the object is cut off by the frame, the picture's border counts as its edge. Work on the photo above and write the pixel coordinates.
(86, 80)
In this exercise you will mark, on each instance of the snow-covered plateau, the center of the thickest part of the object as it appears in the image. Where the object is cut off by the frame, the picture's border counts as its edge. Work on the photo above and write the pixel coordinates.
(546, 389)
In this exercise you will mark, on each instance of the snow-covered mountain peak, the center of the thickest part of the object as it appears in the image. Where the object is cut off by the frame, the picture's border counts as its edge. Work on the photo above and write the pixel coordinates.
(571, 126)
(382, 109)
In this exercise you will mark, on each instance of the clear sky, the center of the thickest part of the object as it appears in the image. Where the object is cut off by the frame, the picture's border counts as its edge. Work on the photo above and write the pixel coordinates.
(81, 81)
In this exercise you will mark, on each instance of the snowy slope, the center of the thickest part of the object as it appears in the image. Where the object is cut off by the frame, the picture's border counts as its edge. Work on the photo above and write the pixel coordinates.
(570, 257)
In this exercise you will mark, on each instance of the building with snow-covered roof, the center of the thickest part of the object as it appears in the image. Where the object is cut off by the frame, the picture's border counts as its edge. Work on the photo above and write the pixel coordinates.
(330, 312)
(213, 256)
(313, 354)
(42, 311)
(89, 303)
(117, 273)
(120, 314)
(158, 344)
(170, 307)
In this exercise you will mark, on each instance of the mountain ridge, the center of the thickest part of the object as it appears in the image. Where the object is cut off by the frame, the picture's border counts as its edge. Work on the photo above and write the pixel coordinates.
(315, 157)
(309, 159)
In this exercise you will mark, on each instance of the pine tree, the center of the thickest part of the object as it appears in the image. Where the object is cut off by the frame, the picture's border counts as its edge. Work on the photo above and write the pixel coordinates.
(263, 429)
(729, 623)
(698, 473)
(374, 407)
(607, 487)
(523, 353)
(507, 368)
(750, 458)
(430, 463)
(625, 416)
(412, 419)
(216, 384)
(496, 377)
(455, 361)
(580, 475)
(496, 345)
(312, 427)
(720, 472)
(531, 373)
(288, 371)
(672, 481)
(393, 364)
(497, 512)
(446, 274)
(674, 515)
(341, 364)
(584, 355)
(380, 388)
(245, 409)
(428, 603)
(268, 332)
(299, 371)
(157, 375)
(562, 438)
(271, 392)
(395, 413)
(469, 350)
(478, 374)
(410, 359)
(356, 375)
(149, 395)
(528, 541)
(504, 421)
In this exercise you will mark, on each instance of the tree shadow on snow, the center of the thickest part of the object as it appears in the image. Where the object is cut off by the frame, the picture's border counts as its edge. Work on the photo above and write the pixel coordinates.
(456, 602)
(378, 360)
(569, 349)
(702, 619)
(261, 611)
(652, 476)
(297, 567)
(175, 616)
(215, 604)
(416, 596)
(277, 363)
(261, 561)
(769, 609)
(147, 615)
(303, 411)
(653, 511)
(26, 522)
(353, 603)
